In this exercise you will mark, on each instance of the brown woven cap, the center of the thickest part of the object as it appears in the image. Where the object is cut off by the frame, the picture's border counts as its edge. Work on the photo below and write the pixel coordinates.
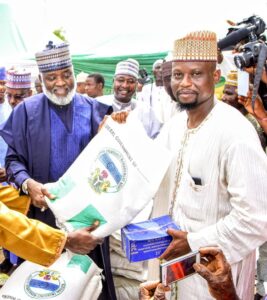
(196, 46)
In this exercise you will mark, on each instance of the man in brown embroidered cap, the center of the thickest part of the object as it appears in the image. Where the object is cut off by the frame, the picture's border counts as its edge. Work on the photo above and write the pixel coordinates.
(216, 198)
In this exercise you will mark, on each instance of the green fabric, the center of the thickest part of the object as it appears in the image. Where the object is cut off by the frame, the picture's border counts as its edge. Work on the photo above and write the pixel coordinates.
(106, 65)
(86, 218)
(83, 261)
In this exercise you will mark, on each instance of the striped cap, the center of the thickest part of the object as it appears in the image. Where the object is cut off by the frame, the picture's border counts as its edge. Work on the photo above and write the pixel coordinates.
(54, 57)
(18, 79)
(128, 67)
(196, 46)
(2, 73)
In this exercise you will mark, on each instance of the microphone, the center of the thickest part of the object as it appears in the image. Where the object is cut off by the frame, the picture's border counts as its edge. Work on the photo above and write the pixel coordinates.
(234, 37)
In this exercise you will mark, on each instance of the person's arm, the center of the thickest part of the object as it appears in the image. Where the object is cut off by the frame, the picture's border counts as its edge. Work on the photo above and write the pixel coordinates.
(252, 70)
(37, 242)
(217, 271)
(259, 111)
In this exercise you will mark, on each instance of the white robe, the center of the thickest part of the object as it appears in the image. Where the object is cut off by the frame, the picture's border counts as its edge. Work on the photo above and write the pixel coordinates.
(159, 100)
(229, 208)
(142, 111)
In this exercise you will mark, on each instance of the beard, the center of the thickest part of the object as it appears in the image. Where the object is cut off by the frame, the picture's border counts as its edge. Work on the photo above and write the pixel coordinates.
(192, 105)
(186, 106)
(60, 101)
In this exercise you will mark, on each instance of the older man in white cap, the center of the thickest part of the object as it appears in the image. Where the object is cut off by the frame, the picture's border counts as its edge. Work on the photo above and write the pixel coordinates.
(124, 86)
(46, 134)
(215, 188)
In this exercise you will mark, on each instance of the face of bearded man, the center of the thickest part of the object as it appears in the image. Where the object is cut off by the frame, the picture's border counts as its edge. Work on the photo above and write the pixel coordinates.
(59, 86)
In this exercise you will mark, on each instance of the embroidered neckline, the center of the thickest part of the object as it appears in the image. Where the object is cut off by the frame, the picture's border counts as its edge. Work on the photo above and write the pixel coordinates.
(180, 157)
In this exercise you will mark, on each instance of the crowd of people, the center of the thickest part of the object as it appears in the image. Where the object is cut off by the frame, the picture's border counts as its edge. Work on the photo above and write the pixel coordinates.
(214, 188)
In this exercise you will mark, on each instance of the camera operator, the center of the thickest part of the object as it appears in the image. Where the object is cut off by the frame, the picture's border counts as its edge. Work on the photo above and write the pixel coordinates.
(249, 44)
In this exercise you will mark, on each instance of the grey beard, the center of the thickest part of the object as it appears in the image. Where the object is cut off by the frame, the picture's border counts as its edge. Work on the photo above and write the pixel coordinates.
(61, 101)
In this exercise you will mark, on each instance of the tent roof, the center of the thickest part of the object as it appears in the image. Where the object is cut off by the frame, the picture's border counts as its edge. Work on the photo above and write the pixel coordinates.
(11, 42)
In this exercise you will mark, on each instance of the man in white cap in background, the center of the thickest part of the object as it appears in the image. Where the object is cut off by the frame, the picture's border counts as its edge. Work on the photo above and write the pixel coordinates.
(45, 135)
(80, 80)
(124, 86)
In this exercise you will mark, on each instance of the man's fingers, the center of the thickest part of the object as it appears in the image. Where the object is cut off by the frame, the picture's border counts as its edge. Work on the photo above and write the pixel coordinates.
(120, 117)
(93, 226)
(160, 292)
(149, 285)
(169, 253)
(210, 250)
(47, 194)
(203, 271)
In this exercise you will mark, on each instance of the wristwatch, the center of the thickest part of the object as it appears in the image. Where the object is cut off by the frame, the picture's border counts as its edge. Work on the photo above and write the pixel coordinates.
(24, 186)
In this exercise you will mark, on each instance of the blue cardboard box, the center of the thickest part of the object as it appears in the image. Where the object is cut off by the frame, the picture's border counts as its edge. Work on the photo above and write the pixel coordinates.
(148, 239)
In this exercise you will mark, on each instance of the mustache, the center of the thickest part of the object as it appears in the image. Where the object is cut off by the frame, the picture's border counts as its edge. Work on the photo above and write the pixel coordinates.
(54, 90)
(186, 92)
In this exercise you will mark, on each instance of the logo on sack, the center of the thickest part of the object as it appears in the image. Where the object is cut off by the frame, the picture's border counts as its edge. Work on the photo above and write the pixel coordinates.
(109, 172)
(44, 284)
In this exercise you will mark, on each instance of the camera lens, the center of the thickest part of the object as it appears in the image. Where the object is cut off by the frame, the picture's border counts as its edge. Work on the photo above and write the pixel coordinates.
(239, 61)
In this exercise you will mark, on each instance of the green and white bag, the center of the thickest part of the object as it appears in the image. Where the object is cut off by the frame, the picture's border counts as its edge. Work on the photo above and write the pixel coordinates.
(112, 180)
(71, 277)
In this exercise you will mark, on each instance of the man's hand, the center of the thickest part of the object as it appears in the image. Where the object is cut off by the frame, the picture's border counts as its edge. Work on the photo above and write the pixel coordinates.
(3, 174)
(217, 271)
(179, 245)
(152, 289)
(252, 70)
(37, 193)
(119, 117)
(82, 241)
(259, 111)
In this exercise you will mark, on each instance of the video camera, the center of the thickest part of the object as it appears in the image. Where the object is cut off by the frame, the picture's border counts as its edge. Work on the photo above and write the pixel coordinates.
(249, 34)
(144, 78)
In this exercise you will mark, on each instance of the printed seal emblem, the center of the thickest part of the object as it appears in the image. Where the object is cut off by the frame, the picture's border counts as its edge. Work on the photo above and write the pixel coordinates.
(109, 172)
(44, 284)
